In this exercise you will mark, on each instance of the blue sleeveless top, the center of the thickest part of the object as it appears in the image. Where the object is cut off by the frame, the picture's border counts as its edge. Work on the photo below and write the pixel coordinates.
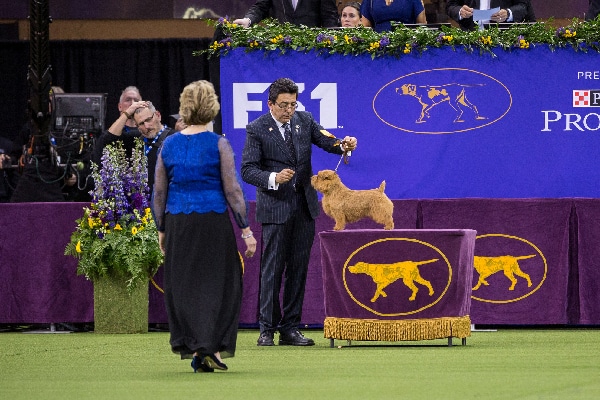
(194, 171)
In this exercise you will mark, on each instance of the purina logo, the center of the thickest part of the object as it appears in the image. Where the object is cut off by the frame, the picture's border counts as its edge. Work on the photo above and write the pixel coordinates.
(586, 98)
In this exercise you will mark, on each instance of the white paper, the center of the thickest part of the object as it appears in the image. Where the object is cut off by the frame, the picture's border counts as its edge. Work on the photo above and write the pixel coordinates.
(484, 15)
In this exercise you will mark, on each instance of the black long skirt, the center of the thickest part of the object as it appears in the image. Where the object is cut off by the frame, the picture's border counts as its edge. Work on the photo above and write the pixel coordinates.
(202, 283)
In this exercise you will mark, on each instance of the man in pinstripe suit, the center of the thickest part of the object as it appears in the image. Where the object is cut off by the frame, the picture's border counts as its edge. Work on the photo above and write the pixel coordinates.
(278, 163)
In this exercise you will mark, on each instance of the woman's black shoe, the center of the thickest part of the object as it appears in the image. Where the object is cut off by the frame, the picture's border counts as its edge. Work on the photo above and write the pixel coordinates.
(198, 364)
(213, 362)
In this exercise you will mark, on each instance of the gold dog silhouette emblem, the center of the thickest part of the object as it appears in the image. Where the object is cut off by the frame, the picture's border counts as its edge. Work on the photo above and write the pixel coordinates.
(487, 266)
(386, 274)
(453, 94)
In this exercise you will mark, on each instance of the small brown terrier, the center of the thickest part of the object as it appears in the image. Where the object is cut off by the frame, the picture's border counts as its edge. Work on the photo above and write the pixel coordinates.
(345, 205)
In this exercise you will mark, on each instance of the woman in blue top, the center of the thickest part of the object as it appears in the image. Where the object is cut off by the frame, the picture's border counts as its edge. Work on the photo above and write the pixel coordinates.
(195, 181)
(379, 14)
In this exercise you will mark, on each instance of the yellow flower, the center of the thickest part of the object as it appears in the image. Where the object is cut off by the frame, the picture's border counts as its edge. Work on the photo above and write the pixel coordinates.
(78, 247)
(134, 230)
(486, 39)
(147, 211)
(118, 227)
(90, 222)
(347, 39)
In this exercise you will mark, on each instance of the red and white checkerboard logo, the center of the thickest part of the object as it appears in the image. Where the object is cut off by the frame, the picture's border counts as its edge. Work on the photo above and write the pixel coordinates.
(581, 98)
(586, 98)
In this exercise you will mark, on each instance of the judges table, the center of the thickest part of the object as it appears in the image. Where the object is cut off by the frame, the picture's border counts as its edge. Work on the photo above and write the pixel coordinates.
(536, 262)
(392, 285)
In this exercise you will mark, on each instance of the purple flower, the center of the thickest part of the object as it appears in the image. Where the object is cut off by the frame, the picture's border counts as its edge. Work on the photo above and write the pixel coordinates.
(287, 40)
(121, 187)
(385, 41)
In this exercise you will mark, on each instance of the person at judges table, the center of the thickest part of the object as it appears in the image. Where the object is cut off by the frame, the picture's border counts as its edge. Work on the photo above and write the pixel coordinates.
(593, 10)
(124, 128)
(195, 181)
(379, 14)
(351, 16)
(510, 11)
(277, 160)
(312, 13)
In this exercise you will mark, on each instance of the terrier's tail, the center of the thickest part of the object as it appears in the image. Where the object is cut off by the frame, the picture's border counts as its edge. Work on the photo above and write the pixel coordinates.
(382, 187)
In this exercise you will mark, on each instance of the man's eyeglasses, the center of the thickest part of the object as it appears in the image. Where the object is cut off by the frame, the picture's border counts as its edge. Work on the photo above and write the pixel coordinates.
(285, 106)
(149, 119)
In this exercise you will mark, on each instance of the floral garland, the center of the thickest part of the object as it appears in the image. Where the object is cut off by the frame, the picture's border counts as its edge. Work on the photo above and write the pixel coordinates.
(117, 235)
(270, 35)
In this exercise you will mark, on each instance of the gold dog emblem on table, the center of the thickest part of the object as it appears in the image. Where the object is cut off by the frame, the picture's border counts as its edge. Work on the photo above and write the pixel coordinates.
(509, 265)
(386, 274)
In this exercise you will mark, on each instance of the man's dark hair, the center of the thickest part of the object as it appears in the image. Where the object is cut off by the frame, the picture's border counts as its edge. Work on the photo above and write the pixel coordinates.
(282, 85)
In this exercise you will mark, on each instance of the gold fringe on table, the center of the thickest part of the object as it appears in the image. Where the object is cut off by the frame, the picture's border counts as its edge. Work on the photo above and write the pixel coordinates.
(397, 330)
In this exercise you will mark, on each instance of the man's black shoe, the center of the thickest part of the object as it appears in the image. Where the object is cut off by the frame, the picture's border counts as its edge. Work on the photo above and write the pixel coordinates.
(265, 339)
(295, 338)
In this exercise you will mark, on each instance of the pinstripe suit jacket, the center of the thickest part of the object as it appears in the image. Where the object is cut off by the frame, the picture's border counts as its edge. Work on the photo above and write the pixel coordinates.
(265, 151)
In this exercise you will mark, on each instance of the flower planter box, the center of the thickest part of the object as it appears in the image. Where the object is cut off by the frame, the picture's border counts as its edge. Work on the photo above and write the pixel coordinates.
(118, 311)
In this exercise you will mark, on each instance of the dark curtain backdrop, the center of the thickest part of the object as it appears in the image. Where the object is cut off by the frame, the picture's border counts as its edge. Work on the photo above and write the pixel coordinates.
(159, 68)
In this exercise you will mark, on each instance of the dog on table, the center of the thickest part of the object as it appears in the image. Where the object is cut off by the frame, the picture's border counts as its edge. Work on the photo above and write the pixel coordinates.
(345, 205)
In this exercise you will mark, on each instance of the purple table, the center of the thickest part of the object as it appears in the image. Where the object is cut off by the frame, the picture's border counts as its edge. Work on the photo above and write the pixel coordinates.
(390, 285)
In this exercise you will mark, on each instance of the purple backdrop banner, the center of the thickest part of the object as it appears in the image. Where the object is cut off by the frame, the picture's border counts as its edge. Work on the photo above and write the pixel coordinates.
(443, 124)
(553, 242)
(587, 275)
(521, 256)
(38, 282)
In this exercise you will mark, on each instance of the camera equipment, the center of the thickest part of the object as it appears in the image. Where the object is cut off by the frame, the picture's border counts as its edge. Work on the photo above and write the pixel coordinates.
(77, 119)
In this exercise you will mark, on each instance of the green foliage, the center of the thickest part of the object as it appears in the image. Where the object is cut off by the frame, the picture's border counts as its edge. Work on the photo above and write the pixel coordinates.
(270, 35)
(117, 235)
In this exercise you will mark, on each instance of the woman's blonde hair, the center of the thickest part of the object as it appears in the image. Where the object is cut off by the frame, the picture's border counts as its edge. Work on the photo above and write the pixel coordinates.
(198, 103)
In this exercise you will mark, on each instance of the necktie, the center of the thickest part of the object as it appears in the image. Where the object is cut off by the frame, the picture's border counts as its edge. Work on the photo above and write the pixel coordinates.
(287, 133)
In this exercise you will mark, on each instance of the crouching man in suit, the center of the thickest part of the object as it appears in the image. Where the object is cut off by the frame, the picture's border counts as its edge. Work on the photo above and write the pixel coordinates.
(277, 160)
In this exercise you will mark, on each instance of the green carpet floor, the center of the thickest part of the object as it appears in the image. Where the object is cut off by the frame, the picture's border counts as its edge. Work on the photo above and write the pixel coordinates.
(510, 364)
